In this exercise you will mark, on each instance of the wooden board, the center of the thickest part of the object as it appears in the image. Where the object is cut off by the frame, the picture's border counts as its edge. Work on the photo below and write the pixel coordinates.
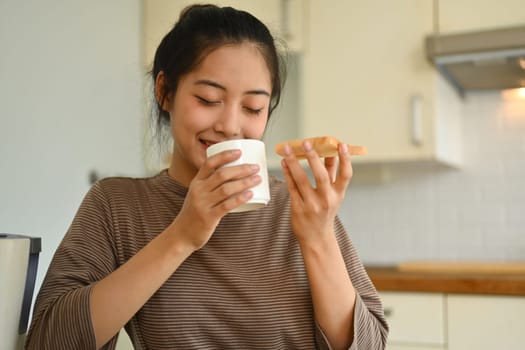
(478, 267)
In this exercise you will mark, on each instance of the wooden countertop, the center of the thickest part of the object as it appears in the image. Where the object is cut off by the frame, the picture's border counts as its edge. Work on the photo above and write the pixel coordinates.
(393, 278)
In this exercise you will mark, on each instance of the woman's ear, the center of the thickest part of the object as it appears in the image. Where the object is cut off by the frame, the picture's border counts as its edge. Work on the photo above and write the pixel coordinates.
(160, 87)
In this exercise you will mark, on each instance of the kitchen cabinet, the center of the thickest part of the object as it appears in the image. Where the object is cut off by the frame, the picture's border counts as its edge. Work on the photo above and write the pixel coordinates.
(450, 321)
(416, 320)
(485, 322)
(471, 15)
(285, 18)
(366, 80)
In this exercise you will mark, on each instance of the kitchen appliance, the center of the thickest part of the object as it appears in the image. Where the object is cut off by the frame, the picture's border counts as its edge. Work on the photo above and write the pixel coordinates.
(480, 60)
(18, 266)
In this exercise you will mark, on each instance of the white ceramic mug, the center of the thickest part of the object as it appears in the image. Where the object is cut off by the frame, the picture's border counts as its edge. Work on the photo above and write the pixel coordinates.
(252, 152)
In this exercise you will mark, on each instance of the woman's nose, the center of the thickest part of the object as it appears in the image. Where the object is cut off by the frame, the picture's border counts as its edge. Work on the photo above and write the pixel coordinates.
(229, 122)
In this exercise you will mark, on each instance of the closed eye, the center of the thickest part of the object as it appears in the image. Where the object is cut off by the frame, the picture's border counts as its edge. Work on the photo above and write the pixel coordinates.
(206, 102)
(253, 111)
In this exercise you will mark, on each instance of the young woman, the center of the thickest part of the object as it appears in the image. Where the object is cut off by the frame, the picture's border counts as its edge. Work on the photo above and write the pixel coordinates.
(163, 257)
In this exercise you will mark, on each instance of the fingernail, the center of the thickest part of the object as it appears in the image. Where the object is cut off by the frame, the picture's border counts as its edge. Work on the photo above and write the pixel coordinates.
(254, 166)
(344, 148)
(235, 152)
(307, 145)
(287, 149)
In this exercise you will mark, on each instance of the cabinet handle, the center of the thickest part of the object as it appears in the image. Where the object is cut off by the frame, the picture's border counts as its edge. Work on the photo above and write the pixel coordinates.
(416, 116)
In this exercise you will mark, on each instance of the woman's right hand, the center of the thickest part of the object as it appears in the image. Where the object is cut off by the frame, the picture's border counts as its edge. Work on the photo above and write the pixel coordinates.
(213, 192)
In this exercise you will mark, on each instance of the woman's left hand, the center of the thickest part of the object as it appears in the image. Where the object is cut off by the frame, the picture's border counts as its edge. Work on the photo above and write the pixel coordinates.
(314, 206)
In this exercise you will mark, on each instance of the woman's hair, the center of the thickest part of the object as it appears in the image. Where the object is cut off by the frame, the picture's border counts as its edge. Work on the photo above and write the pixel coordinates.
(200, 30)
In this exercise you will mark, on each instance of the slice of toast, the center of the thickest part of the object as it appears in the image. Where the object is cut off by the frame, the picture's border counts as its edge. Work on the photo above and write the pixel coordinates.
(325, 146)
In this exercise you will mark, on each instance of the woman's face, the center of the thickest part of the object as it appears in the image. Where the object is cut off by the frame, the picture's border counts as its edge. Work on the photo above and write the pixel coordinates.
(226, 97)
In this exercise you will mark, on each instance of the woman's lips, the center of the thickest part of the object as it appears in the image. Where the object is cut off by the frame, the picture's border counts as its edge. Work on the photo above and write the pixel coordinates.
(207, 143)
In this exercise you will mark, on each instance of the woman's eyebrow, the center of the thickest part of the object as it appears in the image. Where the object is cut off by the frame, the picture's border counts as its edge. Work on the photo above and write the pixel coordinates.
(219, 86)
(210, 83)
(257, 92)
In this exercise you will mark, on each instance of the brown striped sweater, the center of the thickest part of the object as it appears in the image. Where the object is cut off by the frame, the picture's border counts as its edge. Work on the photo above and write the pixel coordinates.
(245, 289)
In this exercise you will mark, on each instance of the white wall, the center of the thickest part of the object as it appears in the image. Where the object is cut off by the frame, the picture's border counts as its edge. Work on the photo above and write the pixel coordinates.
(70, 101)
(428, 212)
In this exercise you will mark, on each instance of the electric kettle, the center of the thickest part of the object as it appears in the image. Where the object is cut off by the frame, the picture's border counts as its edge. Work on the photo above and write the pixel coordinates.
(18, 266)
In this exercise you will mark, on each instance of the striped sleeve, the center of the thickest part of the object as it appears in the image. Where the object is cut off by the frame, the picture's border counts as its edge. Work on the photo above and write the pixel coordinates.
(62, 318)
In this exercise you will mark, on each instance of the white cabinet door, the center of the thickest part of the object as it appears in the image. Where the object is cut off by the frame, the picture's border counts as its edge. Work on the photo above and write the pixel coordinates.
(416, 320)
(485, 322)
(468, 15)
(364, 63)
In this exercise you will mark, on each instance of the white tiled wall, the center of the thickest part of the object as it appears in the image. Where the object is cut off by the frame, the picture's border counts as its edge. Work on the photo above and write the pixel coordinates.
(424, 211)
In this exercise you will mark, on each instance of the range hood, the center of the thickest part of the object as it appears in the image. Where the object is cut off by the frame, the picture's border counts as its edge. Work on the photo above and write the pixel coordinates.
(481, 60)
